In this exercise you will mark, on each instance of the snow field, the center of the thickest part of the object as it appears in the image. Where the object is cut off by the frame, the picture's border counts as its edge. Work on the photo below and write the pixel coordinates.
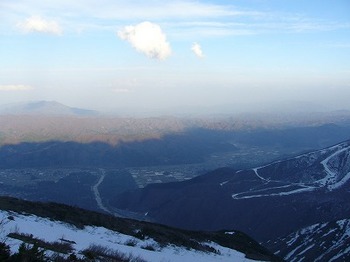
(54, 230)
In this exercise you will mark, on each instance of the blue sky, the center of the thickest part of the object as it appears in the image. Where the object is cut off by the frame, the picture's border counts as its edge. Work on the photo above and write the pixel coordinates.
(176, 55)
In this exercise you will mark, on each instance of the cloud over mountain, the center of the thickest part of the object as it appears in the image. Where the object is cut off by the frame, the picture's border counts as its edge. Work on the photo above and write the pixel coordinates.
(147, 38)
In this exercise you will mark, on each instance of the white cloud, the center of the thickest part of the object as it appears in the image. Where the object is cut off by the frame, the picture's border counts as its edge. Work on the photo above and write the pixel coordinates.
(121, 90)
(197, 50)
(147, 38)
(185, 17)
(38, 24)
(15, 88)
(82, 15)
(124, 9)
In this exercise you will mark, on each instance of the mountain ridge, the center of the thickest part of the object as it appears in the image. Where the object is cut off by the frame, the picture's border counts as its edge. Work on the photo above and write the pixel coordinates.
(267, 201)
(44, 107)
(328, 241)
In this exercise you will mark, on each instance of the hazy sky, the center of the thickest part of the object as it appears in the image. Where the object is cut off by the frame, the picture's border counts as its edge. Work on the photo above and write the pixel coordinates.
(105, 54)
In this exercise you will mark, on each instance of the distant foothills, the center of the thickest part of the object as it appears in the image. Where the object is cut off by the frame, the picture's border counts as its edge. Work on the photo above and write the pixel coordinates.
(44, 108)
(41, 121)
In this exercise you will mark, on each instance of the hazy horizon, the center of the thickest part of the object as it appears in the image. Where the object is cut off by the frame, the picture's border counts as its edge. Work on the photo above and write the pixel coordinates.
(292, 109)
(177, 56)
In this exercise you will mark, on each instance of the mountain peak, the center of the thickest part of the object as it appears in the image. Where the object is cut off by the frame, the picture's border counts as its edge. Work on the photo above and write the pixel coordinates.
(44, 107)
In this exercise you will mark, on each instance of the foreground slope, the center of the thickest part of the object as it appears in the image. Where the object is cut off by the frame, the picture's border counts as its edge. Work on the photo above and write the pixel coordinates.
(38, 222)
(266, 202)
(319, 242)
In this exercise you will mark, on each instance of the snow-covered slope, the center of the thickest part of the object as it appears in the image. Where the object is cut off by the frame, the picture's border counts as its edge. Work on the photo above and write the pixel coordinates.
(327, 169)
(83, 238)
(319, 242)
(147, 241)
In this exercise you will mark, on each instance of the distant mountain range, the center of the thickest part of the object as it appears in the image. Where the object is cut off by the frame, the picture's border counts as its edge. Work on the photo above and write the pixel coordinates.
(267, 202)
(45, 108)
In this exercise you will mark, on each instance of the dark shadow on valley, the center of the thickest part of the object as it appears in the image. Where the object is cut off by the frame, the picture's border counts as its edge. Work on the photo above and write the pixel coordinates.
(183, 148)
(70, 173)
(191, 146)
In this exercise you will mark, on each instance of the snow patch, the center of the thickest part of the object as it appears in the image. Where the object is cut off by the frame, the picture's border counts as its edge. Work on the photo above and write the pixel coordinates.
(54, 230)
